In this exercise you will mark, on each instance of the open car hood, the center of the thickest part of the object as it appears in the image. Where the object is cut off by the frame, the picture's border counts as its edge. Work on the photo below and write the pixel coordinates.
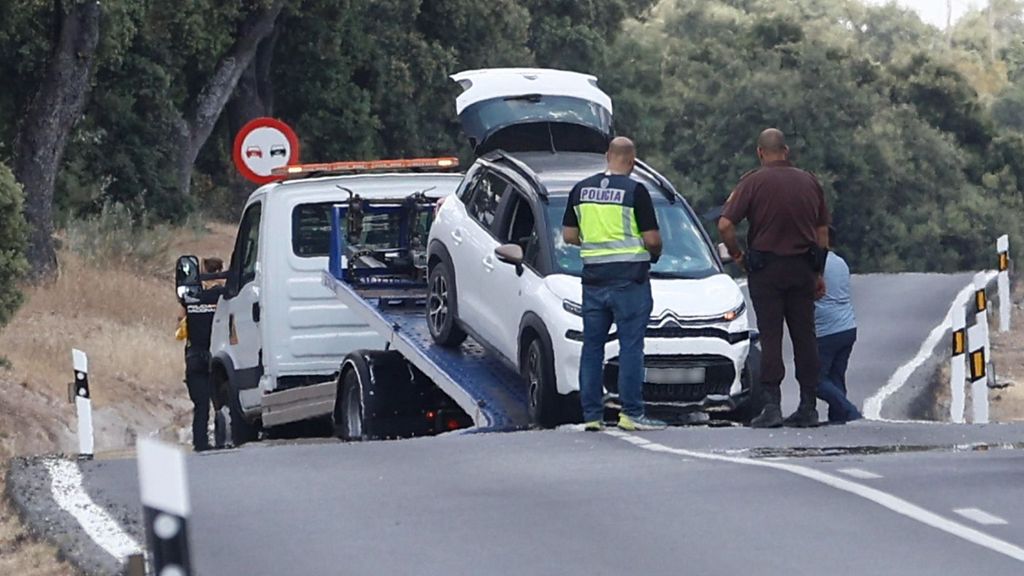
(533, 109)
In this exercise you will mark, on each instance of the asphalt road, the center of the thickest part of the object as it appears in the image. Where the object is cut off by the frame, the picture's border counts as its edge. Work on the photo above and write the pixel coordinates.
(567, 502)
(895, 314)
(867, 498)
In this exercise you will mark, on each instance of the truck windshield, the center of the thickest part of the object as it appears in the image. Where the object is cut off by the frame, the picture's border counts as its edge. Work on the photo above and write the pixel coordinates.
(685, 253)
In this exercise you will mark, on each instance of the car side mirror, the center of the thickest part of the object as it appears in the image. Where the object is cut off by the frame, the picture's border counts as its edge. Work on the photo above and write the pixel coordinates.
(723, 253)
(511, 254)
(186, 277)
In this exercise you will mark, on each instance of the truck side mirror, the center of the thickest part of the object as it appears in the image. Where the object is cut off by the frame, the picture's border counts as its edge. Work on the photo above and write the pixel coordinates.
(186, 276)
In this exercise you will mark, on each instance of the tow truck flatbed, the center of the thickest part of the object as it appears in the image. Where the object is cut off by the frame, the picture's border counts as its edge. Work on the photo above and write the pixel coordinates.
(483, 385)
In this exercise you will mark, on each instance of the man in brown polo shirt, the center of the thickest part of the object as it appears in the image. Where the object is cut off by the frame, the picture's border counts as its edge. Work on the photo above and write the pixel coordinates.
(786, 243)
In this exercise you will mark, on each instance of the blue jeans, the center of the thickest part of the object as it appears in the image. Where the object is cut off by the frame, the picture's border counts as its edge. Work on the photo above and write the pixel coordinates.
(834, 354)
(629, 306)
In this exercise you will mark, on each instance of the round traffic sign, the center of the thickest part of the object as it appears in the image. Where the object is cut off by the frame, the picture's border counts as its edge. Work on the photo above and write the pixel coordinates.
(262, 145)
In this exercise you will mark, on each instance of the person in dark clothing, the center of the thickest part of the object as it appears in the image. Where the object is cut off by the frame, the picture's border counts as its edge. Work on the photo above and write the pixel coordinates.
(787, 243)
(198, 313)
(611, 218)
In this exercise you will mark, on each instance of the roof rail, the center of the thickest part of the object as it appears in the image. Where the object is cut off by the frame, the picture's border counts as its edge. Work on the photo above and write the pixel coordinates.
(667, 189)
(521, 168)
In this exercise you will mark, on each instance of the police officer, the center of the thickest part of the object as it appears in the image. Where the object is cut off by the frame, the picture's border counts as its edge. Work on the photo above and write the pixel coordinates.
(611, 218)
(786, 242)
(198, 312)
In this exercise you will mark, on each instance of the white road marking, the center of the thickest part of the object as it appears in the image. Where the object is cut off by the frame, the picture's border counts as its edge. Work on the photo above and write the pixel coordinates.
(68, 493)
(859, 474)
(980, 516)
(886, 500)
(873, 405)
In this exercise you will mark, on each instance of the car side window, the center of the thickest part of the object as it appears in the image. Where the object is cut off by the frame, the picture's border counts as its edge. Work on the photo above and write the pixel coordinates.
(247, 249)
(483, 204)
(520, 227)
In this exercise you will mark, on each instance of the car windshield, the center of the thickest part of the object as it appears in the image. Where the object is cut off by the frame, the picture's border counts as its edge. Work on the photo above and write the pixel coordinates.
(685, 254)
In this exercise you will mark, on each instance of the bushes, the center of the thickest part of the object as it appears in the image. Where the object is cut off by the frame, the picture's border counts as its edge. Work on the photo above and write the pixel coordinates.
(117, 238)
(13, 232)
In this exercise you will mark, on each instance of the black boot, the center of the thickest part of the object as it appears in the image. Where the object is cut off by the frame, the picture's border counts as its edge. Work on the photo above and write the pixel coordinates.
(806, 416)
(770, 417)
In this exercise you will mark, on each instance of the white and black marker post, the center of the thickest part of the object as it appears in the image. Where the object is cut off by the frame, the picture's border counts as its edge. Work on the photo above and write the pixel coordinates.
(978, 345)
(1003, 248)
(165, 504)
(83, 403)
(957, 368)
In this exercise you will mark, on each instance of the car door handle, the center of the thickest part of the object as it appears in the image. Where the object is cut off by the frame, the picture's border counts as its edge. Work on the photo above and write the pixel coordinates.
(489, 262)
(256, 312)
(457, 236)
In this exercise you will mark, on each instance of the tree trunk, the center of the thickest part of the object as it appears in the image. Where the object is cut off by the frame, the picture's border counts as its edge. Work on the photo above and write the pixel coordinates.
(254, 97)
(195, 130)
(52, 113)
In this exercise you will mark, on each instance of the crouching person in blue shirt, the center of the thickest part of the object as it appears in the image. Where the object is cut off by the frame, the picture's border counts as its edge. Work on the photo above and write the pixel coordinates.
(836, 328)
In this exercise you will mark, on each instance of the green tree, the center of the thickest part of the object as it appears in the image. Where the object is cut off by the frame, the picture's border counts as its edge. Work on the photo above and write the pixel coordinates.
(13, 231)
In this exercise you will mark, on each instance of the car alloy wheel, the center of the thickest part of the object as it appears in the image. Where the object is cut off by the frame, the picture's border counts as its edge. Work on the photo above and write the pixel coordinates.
(438, 304)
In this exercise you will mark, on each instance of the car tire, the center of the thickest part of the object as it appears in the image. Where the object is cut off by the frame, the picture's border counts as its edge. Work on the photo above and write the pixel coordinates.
(547, 408)
(356, 402)
(441, 306)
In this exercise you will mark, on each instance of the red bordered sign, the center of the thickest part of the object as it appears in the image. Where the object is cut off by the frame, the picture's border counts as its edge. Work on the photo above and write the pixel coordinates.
(262, 145)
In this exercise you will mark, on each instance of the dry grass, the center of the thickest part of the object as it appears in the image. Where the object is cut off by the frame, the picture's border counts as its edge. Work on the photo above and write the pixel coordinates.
(124, 319)
(1007, 404)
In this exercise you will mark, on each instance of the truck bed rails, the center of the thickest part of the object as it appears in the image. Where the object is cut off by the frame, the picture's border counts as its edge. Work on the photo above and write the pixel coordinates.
(483, 385)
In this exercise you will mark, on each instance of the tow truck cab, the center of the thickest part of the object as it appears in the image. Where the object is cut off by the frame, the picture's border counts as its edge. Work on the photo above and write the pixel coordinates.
(278, 335)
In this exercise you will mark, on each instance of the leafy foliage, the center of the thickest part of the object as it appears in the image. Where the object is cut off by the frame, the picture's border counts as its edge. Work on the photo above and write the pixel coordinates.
(12, 244)
(916, 133)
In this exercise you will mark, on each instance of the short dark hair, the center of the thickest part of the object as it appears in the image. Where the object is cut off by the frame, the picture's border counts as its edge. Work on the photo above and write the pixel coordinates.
(772, 140)
(212, 265)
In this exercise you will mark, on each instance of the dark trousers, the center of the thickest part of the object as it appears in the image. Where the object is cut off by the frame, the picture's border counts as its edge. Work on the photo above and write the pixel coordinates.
(834, 354)
(784, 291)
(200, 391)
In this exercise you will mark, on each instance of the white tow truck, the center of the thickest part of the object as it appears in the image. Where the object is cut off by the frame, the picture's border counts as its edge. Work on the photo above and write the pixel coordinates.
(279, 337)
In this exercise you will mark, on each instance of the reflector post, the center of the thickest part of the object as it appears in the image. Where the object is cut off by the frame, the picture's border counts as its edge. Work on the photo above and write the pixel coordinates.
(980, 301)
(959, 342)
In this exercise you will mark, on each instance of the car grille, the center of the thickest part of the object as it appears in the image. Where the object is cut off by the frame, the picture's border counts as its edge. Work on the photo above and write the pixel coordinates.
(719, 374)
(675, 332)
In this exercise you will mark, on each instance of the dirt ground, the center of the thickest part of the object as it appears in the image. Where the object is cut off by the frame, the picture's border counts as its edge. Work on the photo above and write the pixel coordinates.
(125, 322)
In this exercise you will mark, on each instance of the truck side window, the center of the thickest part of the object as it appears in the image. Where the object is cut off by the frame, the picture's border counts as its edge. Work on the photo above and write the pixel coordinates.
(483, 204)
(246, 253)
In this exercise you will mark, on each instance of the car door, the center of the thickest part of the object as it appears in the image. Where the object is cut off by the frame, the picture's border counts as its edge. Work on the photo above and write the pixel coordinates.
(473, 254)
(242, 300)
(504, 284)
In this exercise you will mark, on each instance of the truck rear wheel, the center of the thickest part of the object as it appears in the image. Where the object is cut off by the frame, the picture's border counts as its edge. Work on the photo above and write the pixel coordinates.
(357, 404)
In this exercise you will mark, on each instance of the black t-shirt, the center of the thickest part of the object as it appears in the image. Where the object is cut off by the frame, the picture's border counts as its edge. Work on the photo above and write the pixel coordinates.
(637, 196)
(199, 312)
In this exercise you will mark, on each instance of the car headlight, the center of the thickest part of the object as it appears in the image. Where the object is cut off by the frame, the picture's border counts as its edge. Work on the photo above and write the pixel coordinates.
(735, 312)
(574, 308)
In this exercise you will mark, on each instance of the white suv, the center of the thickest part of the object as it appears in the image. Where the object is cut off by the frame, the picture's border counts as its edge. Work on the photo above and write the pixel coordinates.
(499, 270)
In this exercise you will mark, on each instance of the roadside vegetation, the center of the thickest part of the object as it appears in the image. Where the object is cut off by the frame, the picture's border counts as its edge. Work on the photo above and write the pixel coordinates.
(115, 300)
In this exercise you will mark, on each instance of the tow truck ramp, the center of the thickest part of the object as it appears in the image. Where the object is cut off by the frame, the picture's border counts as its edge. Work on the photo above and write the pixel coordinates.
(483, 385)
